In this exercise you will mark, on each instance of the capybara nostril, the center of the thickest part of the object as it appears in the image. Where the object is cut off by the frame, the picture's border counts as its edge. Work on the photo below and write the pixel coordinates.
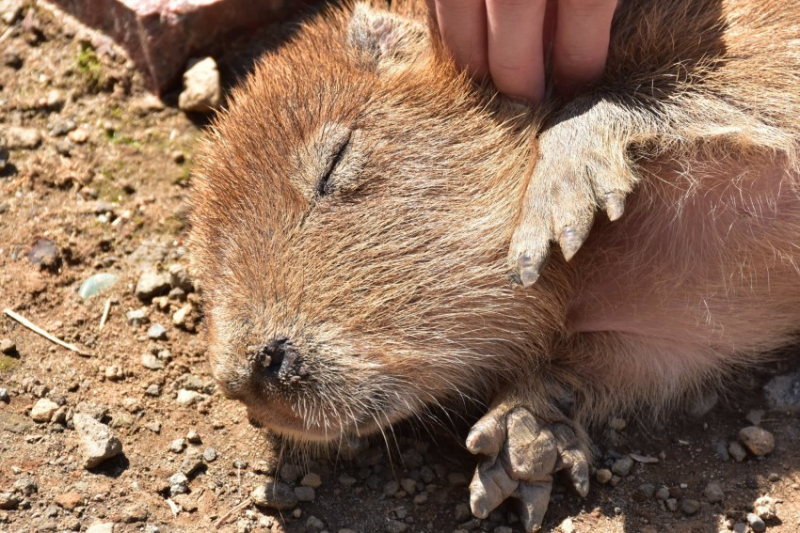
(267, 360)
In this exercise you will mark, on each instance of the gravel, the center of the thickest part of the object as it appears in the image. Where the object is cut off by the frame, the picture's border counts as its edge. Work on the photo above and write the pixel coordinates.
(783, 392)
(305, 494)
(737, 451)
(311, 480)
(8, 347)
(603, 475)
(152, 282)
(690, 507)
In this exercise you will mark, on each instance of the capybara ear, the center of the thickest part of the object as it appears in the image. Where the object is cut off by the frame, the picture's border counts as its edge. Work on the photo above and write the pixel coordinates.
(384, 38)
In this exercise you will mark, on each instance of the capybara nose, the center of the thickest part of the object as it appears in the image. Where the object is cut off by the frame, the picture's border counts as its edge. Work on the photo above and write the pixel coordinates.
(270, 359)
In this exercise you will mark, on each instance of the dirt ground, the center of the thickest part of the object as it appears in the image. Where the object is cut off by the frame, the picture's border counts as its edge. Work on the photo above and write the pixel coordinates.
(96, 182)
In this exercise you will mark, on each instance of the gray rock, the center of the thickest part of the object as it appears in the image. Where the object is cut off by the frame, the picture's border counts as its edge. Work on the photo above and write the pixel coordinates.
(274, 495)
(202, 90)
(177, 445)
(690, 507)
(662, 493)
(210, 455)
(179, 278)
(178, 484)
(43, 410)
(26, 486)
(756, 523)
(305, 494)
(391, 488)
(97, 441)
(137, 317)
(157, 332)
(758, 440)
(783, 392)
(189, 397)
(8, 347)
(191, 464)
(8, 501)
(647, 490)
(4, 397)
(315, 523)
(754, 416)
(622, 467)
(713, 492)
(19, 138)
(193, 437)
(737, 451)
(152, 362)
(739, 527)
(153, 390)
(672, 504)
(409, 485)
(152, 282)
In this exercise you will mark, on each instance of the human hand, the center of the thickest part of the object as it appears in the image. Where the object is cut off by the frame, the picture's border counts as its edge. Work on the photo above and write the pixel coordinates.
(508, 39)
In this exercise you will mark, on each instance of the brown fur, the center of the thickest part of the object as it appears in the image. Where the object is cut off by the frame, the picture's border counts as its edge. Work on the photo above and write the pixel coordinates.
(394, 290)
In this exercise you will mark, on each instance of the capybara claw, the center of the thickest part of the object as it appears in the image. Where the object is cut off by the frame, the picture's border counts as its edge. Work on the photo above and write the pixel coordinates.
(614, 205)
(520, 456)
(529, 268)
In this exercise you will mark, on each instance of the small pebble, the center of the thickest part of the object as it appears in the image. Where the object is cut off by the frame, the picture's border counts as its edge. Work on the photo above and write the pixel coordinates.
(290, 473)
(101, 527)
(603, 476)
(8, 501)
(210, 455)
(4, 397)
(202, 90)
(690, 507)
(43, 410)
(391, 488)
(739, 527)
(274, 495)
(758, 440)
(737, 451)
(304, 494)
(189, 397)
(756, 523)
(662, 493)
(672, 504)
(8, 347)
(409, 485)
(157, 332)
(152, 362)
(622, 467)
(311, 480)
(178, 484)
(152, 282)
(177, 445)
(713, 492)
(315, 523)
(462, 512)
(395, 526)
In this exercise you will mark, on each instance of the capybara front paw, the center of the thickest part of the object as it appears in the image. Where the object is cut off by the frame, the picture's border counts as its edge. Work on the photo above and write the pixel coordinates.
(581, 167)
(521, 454)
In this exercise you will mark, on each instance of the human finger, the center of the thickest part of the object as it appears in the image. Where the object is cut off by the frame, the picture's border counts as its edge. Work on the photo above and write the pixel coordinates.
(516, 54)
(462, 25)
(580, 44)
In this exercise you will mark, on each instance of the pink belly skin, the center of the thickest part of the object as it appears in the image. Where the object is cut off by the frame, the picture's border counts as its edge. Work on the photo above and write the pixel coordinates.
(699, 275)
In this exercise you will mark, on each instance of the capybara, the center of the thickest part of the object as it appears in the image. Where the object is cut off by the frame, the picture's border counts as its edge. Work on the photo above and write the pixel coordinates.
(370, 230)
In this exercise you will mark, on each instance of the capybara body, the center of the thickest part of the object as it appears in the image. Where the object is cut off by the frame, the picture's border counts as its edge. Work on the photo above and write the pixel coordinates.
(355, 206)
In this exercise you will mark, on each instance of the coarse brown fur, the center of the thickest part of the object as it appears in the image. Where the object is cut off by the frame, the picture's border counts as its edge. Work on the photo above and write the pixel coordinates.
(390, 289)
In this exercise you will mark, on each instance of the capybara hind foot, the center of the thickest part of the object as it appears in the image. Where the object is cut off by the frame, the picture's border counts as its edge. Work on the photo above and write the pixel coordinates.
(582, 166)
(521, 454)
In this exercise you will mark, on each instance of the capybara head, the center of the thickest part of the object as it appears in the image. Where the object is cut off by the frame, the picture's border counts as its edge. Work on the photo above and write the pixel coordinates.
(351, 219)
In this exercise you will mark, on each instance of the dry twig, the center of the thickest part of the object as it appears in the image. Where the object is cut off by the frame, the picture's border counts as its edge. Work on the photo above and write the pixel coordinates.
(103, 319)
(224, 518)
(36, 329)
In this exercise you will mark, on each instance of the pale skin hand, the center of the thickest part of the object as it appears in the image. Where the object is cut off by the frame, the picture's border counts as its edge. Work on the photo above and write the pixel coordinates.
(507, 40)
